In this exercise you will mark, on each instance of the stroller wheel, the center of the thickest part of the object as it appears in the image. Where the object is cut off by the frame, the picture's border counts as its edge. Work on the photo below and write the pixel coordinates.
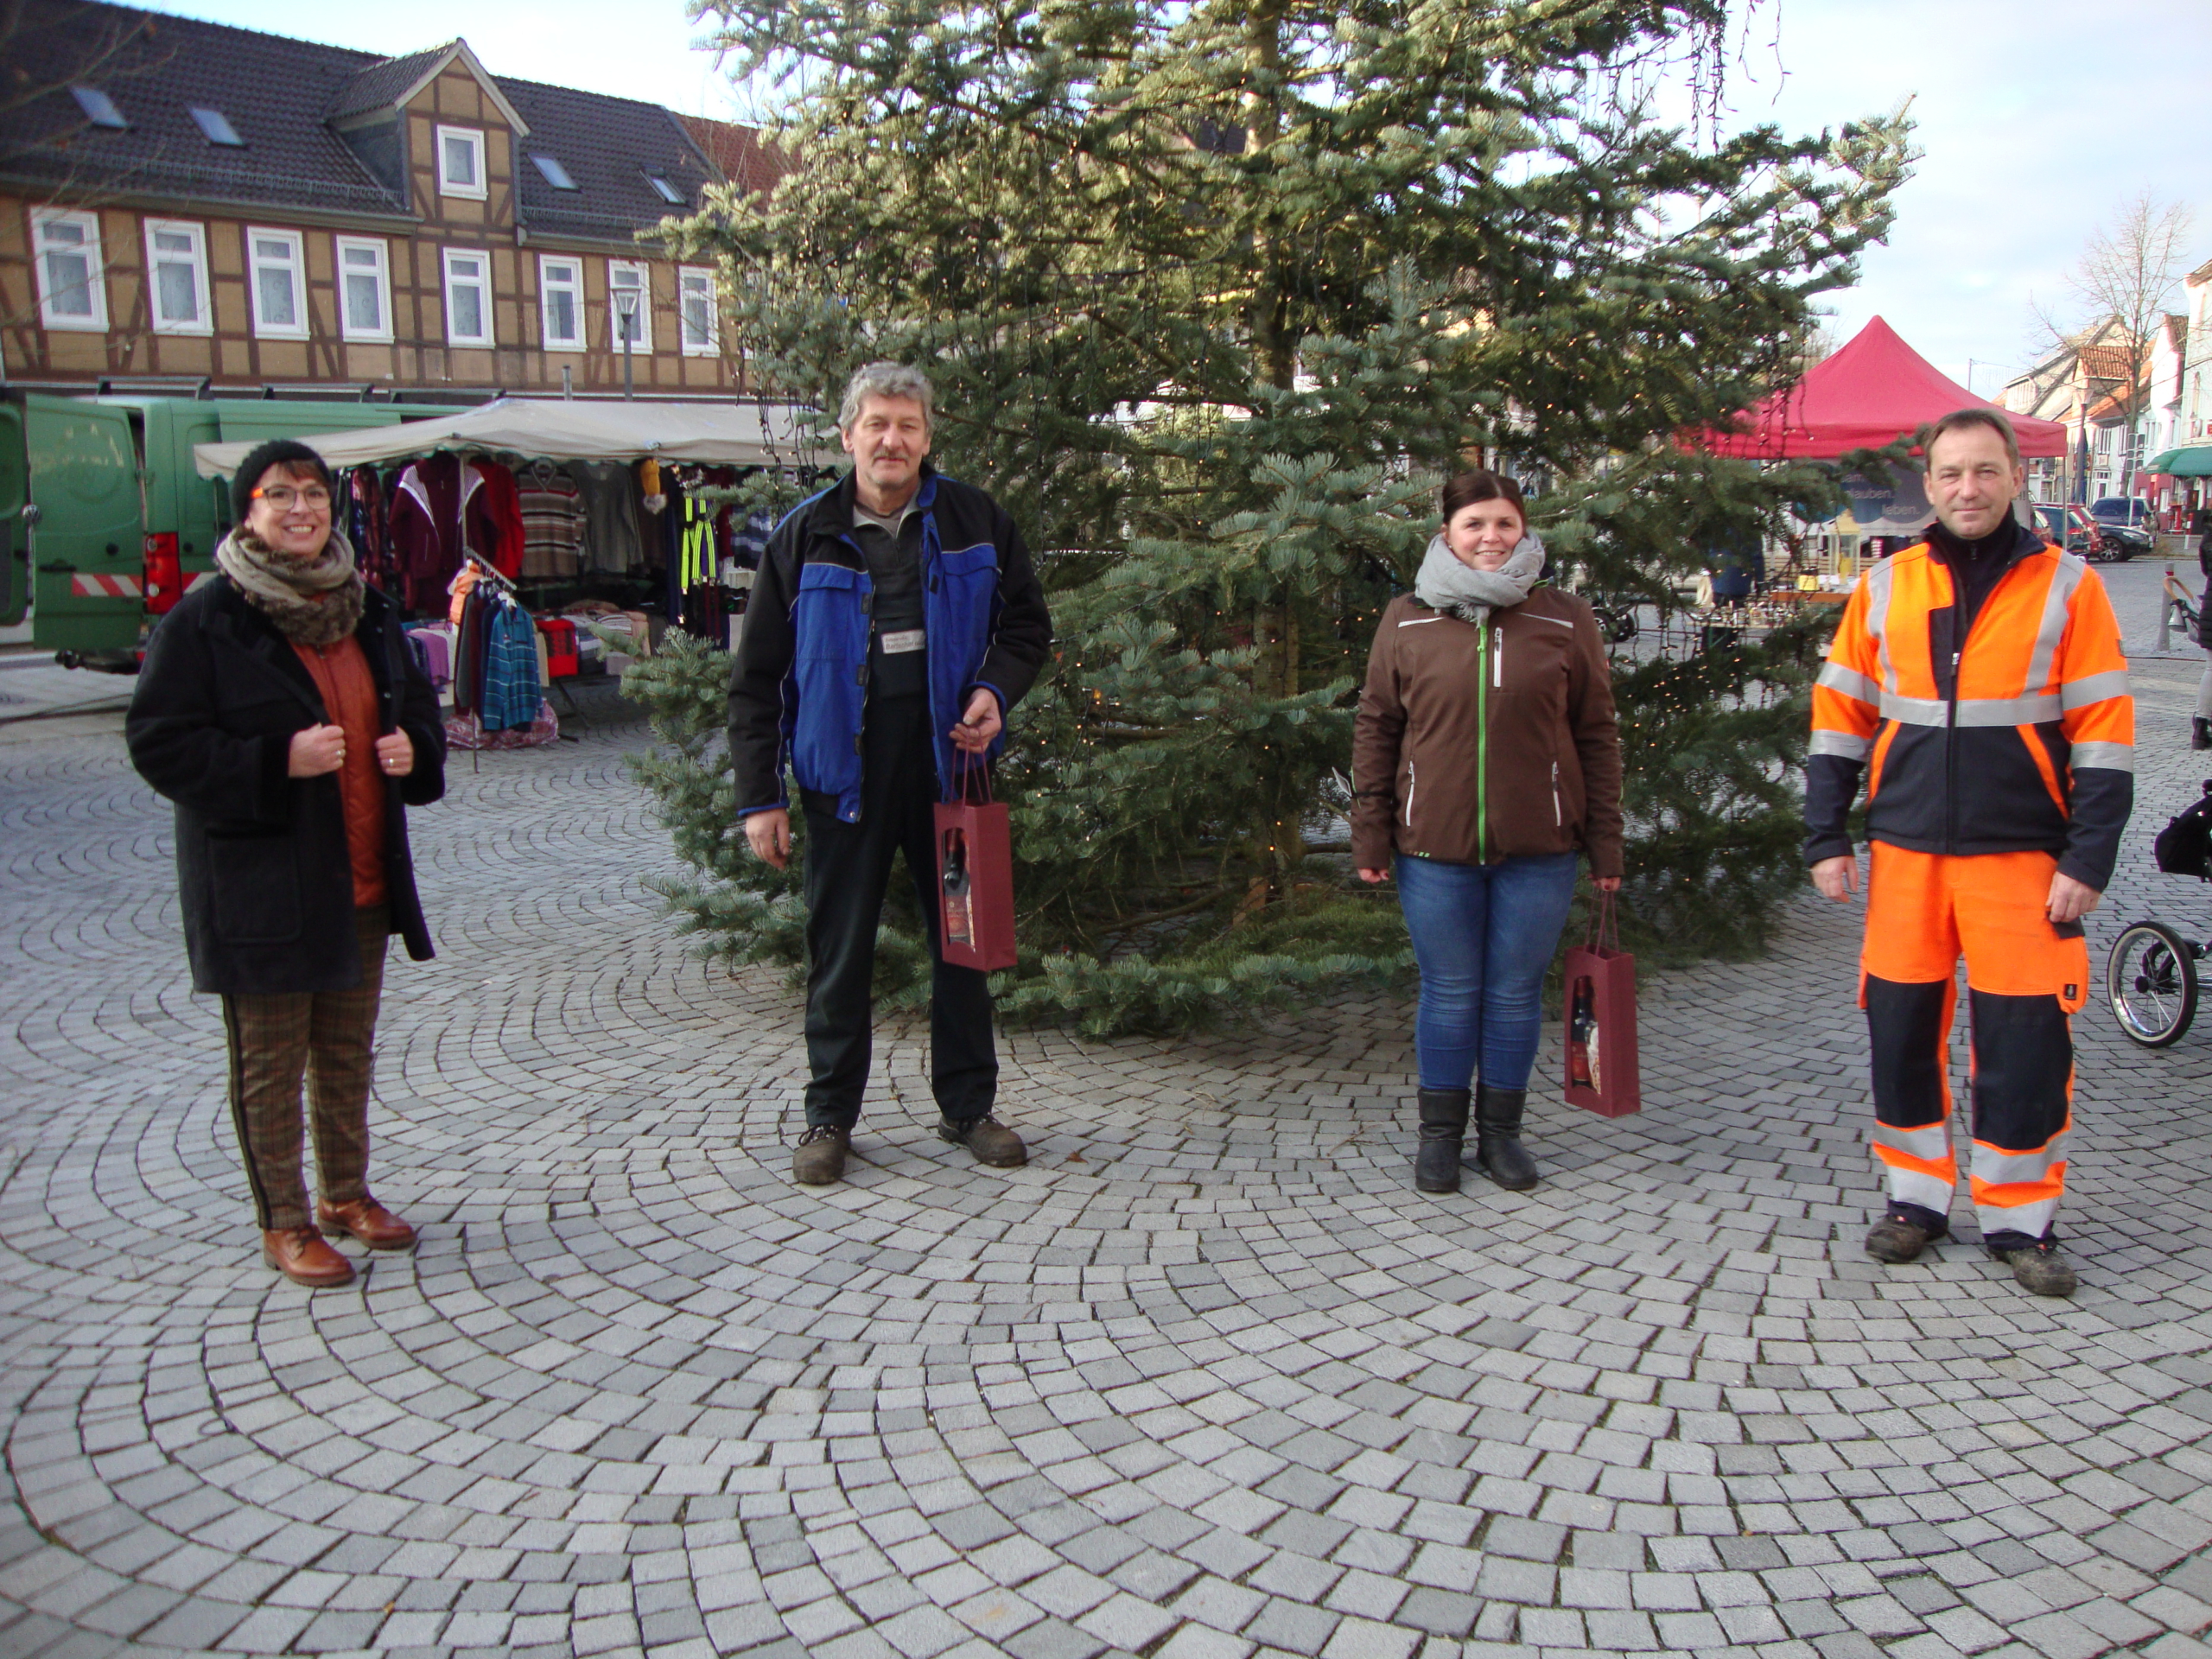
(2151, 981)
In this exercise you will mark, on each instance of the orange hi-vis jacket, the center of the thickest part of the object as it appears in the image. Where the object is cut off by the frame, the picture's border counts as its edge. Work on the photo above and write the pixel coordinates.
(2011, 730)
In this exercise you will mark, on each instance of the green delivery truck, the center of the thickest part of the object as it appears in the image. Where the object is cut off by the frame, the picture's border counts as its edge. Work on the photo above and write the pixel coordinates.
(104, 522)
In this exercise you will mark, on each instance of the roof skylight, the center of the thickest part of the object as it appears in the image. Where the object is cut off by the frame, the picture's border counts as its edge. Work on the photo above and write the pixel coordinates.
(556, 174)
(216, 125)
(664, 190)
(99, 108)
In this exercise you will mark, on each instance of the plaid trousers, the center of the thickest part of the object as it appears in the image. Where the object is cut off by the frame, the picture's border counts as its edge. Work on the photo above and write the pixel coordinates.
(328, 1037)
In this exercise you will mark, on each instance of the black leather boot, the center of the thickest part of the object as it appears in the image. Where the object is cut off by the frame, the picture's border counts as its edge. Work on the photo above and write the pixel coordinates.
(1443, 1132)
(1498, 1151)
(2200, 733)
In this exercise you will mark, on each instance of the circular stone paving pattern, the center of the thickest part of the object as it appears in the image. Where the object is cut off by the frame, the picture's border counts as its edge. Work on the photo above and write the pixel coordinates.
(1206, 1378)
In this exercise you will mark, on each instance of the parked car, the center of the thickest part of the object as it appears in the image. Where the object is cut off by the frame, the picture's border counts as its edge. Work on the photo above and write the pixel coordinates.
(2129, 512)
(2077, 532)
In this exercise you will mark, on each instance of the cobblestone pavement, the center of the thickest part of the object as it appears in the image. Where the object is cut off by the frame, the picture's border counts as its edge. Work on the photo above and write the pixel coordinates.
(1207, 1378)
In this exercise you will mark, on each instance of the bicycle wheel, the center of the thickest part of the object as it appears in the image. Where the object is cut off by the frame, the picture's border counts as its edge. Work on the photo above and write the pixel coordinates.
(2151, 981)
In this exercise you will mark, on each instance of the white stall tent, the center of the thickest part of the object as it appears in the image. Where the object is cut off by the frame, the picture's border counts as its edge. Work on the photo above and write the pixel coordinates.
(714, 435)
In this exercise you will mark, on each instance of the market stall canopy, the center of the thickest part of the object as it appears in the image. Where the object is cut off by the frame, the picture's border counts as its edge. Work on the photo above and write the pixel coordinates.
(745, 435)
(2191, 461)
(1872, 392)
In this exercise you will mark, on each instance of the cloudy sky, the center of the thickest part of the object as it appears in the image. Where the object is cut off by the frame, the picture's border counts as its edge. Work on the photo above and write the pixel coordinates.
(2038, 118)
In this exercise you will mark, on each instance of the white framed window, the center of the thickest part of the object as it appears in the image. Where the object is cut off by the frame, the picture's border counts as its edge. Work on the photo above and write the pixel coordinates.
(461, 162)
(695, 310)
(276, 268)
(176, 278)
(468, 297)
(561, 302)
(72, 288)
(364, 288)
(629, 275)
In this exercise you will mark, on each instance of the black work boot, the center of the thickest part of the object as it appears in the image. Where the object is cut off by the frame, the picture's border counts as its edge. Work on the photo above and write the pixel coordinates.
(2200, 733)
(1900, 1237)
(1443, 1132)
(1498, 1150)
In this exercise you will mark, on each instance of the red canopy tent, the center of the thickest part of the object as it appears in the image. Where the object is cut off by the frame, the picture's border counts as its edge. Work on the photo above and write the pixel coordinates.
(1872, 392)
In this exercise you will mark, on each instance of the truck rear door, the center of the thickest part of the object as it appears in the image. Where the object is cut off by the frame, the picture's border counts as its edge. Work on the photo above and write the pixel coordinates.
(87, 555)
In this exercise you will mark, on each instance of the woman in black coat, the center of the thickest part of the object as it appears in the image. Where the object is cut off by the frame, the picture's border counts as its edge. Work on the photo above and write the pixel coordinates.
(281, 710)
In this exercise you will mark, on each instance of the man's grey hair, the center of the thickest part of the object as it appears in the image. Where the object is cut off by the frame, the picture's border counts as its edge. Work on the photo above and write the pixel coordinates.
(886, 380)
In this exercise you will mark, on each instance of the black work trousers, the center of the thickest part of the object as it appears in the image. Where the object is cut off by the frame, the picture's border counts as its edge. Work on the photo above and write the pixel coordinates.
(848, 874)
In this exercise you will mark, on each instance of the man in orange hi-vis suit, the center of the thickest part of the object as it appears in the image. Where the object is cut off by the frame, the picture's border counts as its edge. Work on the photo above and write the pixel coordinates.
(1976, 683)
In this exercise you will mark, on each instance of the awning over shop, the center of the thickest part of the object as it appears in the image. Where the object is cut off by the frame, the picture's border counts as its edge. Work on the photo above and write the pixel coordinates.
(2191, 461)
(745, 434)
(1872, 392)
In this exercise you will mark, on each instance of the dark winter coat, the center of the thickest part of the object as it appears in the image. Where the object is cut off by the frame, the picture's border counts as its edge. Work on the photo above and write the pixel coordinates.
(266, 882)
(1475, 743)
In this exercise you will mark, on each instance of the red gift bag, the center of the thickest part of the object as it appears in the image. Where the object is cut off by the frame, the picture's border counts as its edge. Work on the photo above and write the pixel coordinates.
(1600, 984)
(975, 878)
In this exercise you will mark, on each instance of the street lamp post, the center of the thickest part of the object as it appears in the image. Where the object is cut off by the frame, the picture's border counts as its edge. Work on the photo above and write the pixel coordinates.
(626, 307)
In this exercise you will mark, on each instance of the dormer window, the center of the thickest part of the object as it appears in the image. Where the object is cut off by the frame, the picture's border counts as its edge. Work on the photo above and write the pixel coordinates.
(667, 192)
(461, 162)
(99, 108)
(556, 174)
(216, 125)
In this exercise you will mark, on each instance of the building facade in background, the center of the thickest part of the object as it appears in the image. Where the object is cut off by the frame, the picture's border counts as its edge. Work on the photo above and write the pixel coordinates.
(185, 206)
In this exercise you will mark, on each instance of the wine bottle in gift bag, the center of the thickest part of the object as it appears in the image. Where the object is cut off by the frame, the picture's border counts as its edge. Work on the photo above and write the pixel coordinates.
(975, 865)
(1600, 996)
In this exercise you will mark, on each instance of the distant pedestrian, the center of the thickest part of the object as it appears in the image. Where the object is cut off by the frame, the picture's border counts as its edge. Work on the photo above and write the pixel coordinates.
(1485, 758)
(282, 712)
(895, 621)
(1979, 674)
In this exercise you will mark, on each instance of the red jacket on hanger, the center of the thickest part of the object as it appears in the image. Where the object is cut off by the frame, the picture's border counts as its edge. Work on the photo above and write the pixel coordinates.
(440, 510)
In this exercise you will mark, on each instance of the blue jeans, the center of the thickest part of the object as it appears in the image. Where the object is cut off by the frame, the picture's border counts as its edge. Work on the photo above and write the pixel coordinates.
(1483, 934)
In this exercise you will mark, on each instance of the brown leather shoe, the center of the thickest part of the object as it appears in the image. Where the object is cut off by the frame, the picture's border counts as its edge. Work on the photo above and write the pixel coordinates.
(367, 1220)
(304, 1259)
(991, 1141)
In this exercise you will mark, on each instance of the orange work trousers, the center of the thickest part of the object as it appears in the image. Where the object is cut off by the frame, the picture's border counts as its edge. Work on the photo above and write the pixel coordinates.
(2025, 976)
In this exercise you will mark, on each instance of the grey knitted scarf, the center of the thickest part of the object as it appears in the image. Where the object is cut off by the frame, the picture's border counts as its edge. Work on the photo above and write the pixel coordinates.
(314, 599)
(1446, 584)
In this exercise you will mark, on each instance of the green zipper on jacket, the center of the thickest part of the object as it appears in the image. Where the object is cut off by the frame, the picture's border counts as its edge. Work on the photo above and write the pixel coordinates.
(1482, 742)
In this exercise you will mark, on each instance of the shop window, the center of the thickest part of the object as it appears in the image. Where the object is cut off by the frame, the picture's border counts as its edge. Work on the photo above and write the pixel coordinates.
(177, 285)
(468, 298)
(278, 283)
(71, 293)
(365, 288)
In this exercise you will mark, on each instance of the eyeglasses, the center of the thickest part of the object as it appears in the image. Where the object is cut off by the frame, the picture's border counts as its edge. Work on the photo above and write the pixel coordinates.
(314, 498)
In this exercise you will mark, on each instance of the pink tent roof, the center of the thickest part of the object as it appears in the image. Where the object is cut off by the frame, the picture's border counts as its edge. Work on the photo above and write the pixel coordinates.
(1871, 392)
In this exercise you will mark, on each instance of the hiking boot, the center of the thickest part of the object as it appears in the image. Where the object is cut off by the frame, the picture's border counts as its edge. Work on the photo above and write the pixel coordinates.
(1443, 1133)
(2041, 1268)
(1498, 1151)
(991, 1141)
(1898, 1238)
(819, 1159)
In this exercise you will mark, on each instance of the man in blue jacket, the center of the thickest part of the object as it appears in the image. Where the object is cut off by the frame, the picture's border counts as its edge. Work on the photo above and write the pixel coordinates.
(896, 618)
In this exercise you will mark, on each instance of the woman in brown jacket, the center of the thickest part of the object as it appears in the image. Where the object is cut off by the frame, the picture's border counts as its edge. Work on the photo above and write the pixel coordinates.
(1485, 758)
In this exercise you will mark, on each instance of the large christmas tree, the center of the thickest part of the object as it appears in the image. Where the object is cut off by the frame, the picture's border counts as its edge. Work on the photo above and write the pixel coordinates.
(1213, 296)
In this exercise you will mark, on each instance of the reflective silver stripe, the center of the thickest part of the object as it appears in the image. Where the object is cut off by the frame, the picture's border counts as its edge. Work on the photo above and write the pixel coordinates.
(2010, 1168)
(1879, 583)
(2033, 1219)
(1972, 711)
(1930, 1144)
(1846, 744)
(2063, 580)
(2007, 711)
(1914, 711)
(2093, 688)
(1850, 681)
(1928, 1191)
(2113, 757)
